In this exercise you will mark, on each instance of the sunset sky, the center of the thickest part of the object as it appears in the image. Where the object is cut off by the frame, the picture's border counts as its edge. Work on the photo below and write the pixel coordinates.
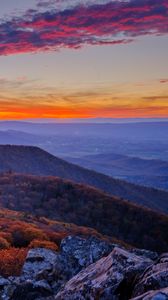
(83, 59)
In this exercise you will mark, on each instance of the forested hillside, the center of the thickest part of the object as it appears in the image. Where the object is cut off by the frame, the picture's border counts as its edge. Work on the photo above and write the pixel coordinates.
(33, 160)
(75, 203)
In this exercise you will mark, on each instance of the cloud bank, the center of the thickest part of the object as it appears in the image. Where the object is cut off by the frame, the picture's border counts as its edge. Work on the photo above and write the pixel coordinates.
(74, 26)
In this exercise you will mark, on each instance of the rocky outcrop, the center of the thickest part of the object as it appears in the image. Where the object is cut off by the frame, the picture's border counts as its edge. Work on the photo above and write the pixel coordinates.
(111, 276)
(89, 269)
(145, 253)
(46, 271)
(154, 278)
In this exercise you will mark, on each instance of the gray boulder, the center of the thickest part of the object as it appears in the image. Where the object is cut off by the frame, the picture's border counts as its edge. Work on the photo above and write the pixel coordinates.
(20, 289)
(30, 290)
(154, 278)
(39, 261)
(80, 253)
(57, 268)
(109, 278)
(3, 283)
(76, 254)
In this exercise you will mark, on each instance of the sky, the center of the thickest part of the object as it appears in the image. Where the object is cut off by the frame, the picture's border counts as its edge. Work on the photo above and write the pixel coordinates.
(83, 59)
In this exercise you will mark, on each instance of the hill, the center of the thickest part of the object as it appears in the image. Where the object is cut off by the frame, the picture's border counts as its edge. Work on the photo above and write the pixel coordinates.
(33, 160)
(68, 202)
(19, 138)
(148, 172)
(134, 131)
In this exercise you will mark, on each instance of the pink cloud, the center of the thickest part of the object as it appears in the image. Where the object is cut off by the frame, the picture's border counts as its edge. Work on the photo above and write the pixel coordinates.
(114, 22)
(163, 80)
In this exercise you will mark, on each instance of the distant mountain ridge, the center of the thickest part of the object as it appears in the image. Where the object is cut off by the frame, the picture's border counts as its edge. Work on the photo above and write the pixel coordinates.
(135, 131)
(125, 165)
(33, 160)
(148, 172)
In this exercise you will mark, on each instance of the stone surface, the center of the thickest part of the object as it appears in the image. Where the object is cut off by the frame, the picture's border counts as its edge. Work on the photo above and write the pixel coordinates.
(29, 290)
(25, 290)
(75, 254)
(37, 261)
(146, 253)
(154, 295)
(3, 282)
(154, 278)
(109, 278)
(84, 252)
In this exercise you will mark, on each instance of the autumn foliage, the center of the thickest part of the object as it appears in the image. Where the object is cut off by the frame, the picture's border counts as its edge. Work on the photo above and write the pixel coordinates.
(43, 244)
(4, 244)
(11, 261)
(24, 235)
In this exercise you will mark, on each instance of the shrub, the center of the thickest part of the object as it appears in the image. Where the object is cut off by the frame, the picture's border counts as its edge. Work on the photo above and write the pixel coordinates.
(4, 244)
(11, 261)
(43, 244)
(22, 236)
(57, 237)
(7, 236)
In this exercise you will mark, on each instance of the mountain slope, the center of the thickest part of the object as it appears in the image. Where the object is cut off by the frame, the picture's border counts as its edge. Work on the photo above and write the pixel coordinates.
(19, 138)
(33, 160)
(148, 172)
(66, 201)
(125, 165)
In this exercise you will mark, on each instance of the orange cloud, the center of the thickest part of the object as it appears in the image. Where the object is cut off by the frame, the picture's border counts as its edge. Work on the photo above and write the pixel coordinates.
(85, 112)
(116, 101)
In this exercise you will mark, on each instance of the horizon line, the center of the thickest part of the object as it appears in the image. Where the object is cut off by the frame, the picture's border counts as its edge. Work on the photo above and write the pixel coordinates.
(84, 120)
